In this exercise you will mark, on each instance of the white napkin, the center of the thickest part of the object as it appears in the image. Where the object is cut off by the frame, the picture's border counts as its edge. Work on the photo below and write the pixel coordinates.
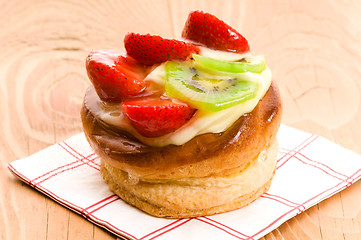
(310, 169)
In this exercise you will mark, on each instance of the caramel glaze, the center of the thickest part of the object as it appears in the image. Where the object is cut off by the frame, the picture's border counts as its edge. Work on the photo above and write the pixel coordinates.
(205, 155)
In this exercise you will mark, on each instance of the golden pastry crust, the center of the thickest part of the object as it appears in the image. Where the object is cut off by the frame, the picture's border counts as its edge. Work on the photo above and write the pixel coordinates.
(193, 197)
(204, 155)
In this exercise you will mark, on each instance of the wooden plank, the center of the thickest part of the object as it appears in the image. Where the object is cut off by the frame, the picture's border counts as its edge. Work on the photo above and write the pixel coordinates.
(57, 221)
(78, 228)
(313, 49)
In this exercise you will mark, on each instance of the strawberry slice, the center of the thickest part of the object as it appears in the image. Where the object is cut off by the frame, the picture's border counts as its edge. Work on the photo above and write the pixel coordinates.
(155, 117)
(150, 49)
(207, 29)
(115, 75)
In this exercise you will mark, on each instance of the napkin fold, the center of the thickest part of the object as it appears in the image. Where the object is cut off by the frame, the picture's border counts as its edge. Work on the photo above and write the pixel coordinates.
(309, 170)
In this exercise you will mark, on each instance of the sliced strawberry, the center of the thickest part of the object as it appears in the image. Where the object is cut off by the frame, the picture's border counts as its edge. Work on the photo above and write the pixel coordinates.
(207, 29)
(150, 49)
(154, 117)
(115, 75)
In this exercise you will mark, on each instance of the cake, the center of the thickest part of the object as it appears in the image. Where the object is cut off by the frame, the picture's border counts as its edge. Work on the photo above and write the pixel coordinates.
(184, 128)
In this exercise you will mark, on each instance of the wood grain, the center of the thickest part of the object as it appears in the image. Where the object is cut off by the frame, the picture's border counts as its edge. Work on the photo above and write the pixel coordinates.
(312, 47)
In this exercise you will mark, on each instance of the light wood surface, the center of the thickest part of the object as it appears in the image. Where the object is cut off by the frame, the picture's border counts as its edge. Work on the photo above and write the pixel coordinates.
(312, 47)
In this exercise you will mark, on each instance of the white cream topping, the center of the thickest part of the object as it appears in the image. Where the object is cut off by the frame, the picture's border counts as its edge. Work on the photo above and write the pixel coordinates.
(203, 121)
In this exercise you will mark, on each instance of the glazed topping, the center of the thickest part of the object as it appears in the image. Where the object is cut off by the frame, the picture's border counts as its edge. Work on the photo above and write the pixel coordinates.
(148, 49)
(203, 121)
(204, 90)
(212, 32)
(166, 91)
(115, 75)
(154, 117)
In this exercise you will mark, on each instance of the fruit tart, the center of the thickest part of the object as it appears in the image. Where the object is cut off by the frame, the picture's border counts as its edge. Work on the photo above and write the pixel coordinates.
(184, 128)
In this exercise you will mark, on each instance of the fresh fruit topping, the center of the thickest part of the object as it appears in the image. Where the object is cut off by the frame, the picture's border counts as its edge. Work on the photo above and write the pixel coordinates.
(252, 64)
(115, 75)
(214, 33)
(155, 117)
(204, 91)
(150, 49)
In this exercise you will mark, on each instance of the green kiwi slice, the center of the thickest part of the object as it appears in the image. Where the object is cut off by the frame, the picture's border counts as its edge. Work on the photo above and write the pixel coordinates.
(204, 91)
(254, 64)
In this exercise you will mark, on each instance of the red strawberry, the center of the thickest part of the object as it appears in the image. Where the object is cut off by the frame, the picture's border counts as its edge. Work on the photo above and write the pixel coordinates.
(151, 49)
(154, 117)
(214, 33)
(115, 75)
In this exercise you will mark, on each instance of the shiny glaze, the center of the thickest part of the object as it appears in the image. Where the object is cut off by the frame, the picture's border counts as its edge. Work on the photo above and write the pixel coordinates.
(229, 150)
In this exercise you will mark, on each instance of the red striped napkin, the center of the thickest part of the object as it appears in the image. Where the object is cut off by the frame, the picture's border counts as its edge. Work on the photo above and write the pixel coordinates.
(310, 169)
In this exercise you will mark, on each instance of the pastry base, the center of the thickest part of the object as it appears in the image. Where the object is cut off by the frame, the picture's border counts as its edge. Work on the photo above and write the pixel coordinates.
(193, 197)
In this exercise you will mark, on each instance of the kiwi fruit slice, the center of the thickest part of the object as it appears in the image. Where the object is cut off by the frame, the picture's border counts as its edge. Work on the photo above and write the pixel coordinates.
(204, 91)
(254, 64)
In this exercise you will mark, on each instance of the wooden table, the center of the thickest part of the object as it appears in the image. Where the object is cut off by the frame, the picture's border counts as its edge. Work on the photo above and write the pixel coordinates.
(313, 48)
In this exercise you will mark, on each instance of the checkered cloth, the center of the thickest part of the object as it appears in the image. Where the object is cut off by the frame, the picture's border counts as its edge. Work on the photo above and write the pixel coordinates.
(309, 170)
